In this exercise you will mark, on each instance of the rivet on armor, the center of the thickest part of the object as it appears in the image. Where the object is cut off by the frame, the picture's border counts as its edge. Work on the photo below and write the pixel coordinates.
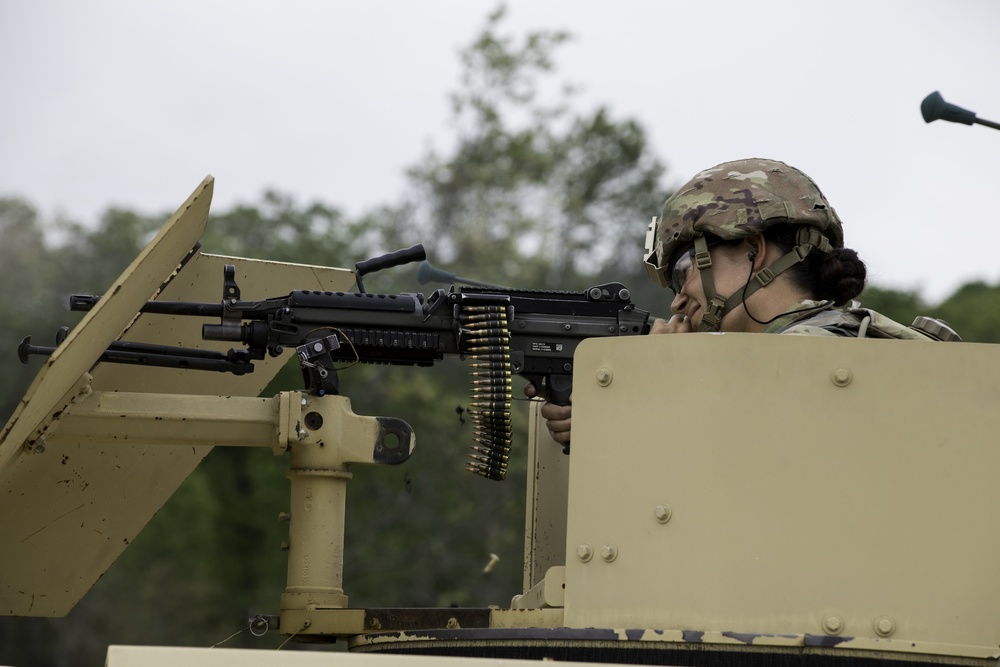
(884, 626)
(833, 624)
(841, 377)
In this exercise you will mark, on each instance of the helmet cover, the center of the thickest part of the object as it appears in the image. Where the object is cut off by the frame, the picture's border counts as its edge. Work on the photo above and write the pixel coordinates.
(736, 200)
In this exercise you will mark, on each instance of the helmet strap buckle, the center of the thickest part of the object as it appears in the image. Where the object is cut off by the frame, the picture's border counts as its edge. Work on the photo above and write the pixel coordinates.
(712, 318)
(702, 259)
(764, 276)
(808, 238)
(715, 308)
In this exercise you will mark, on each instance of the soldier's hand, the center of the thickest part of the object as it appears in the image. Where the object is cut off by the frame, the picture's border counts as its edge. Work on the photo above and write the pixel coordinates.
(676, 324)
(558, 418)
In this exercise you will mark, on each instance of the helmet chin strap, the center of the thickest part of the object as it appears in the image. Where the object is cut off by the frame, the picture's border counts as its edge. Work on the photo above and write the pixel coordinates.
(807, 239)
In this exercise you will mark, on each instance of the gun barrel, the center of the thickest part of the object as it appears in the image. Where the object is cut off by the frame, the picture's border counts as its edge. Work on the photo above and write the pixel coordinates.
(85, 302)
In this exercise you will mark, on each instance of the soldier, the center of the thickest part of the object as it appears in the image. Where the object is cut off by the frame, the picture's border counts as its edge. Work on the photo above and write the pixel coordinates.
(753, 246)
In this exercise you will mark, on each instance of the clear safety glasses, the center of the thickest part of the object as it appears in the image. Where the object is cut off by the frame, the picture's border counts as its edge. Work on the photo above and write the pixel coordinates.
(681, 270)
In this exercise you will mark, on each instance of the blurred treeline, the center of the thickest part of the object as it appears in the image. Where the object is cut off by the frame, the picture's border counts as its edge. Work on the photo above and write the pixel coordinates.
(533, 193)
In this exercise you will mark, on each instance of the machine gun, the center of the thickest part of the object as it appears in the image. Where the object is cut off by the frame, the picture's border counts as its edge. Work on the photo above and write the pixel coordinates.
(499, 331)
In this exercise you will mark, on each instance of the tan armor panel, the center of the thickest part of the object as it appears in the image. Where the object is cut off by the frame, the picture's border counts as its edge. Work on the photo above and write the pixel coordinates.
(734, 487)
(70, 508)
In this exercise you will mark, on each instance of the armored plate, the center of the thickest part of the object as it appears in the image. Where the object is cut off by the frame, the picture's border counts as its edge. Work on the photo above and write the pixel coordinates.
(68, 509)
(787, 489)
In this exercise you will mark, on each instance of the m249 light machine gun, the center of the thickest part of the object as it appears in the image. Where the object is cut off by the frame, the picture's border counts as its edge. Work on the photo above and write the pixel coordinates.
(499, 331)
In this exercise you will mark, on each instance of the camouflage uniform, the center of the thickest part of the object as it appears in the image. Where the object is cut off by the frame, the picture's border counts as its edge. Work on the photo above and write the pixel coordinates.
(744, 198)
(733, 201)
(852, 321)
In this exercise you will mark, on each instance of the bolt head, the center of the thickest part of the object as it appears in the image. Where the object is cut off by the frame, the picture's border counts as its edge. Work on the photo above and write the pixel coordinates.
(833, 624)
(884, 626)
(841, 377)
(584, 552)
(662, 513)
(609, 552)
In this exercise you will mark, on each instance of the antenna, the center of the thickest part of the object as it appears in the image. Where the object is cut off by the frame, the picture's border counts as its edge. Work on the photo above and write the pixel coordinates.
(934, 108)
(428, 273)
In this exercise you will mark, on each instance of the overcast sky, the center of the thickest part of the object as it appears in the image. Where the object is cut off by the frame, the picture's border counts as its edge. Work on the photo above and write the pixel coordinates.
(133, 103)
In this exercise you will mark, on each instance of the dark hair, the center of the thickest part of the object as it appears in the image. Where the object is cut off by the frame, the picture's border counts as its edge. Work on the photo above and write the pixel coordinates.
(838, 275)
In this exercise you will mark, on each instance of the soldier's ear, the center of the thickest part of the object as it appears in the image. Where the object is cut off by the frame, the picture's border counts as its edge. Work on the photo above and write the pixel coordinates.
(757, 251)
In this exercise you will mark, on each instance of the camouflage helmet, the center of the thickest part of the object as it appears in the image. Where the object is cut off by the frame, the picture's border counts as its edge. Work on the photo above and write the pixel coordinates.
(735, 200)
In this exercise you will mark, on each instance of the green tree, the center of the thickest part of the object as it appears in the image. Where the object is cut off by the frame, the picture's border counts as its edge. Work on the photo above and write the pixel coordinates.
(28, 300)
(898, 305)
(974, 311)
(278, 228)
(532, 192)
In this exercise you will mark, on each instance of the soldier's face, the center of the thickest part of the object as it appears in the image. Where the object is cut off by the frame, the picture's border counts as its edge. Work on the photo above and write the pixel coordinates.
(729, 274)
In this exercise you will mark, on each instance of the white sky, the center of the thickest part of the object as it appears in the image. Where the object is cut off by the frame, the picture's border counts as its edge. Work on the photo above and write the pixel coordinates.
(132, 103)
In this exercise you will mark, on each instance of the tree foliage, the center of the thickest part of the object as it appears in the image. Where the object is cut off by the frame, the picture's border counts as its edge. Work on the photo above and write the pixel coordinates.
(532, 193)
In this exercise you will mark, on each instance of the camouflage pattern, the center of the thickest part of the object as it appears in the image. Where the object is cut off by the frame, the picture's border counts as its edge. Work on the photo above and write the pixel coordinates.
(843, 322)
(736, 200)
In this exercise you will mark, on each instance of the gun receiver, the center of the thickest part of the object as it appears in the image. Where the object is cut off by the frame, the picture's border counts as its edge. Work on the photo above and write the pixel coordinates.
(499, 331)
